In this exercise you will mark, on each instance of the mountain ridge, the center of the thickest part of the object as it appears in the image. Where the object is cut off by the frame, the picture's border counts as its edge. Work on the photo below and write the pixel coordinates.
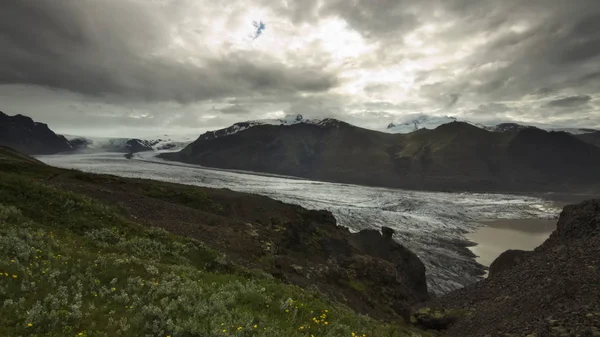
(456, 156)
(25, 135)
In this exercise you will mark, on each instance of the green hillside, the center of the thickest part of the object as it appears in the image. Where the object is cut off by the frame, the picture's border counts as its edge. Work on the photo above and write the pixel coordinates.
(71, 265)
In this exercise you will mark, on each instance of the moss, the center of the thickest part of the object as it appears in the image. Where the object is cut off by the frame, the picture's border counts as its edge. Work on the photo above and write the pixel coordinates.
(357, 285)
(189, 197)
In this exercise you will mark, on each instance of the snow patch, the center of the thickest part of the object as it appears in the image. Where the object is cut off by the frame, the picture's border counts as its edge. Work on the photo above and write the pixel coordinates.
(285, 121)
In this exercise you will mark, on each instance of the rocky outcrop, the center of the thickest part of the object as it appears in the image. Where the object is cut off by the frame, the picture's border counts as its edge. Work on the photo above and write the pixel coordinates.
(23, 134)
(366, 269)
(506, 261)
(552, 291)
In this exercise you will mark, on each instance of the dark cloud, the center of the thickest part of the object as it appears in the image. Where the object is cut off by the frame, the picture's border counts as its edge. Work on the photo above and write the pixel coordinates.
(110, 47)
(234, 109)
(489, 60)
(453, 99)
(569, 102)
(375, 17)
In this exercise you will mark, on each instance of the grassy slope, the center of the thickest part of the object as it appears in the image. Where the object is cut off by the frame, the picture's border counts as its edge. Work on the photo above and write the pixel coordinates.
(73, 266)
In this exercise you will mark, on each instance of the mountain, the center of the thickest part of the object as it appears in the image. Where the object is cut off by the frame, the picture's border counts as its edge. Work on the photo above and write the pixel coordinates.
(23, 134)
(414, 122)
(591, 138)
(129, 145)
(455, 156)
(551, 291)
(507, 127)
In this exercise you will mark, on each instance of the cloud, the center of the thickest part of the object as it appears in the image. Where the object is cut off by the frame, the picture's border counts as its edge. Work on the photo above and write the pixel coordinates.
(453, 100)
(234, 109)
(167, 63)
(569, 102)
(118, 47)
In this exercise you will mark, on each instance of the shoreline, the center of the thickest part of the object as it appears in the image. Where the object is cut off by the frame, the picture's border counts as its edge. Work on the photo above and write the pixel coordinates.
(497, 236)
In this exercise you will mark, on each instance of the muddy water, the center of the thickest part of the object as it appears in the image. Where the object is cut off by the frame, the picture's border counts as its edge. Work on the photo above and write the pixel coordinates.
(497, 236)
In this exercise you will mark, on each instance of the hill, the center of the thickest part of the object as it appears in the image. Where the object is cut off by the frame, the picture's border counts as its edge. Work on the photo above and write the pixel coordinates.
(455, 156)
(591, 138)
(23, 134)
(97, 255)
(552, 291)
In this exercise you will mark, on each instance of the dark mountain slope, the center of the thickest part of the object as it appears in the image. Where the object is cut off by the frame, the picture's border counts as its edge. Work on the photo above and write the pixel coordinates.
(334, 151)
(455, 156)
(23, 134)
(592, 138)
(552, 291)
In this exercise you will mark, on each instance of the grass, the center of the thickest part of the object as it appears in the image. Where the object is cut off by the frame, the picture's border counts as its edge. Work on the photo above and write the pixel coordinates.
(73, 266)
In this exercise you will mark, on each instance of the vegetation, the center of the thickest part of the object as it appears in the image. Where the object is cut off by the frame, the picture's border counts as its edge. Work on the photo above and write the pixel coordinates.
(73, 266)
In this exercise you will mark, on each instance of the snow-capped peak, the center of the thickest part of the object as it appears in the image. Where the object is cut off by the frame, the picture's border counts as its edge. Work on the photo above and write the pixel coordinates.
(416, 122)
(287, 120)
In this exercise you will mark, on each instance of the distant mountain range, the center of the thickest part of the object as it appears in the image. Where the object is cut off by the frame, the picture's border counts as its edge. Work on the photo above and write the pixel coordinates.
(416, 122)
(25, 135)
(128, 145)
(453, 156)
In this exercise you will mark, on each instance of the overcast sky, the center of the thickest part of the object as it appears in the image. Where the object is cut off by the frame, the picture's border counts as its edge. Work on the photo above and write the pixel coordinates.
(142, 67)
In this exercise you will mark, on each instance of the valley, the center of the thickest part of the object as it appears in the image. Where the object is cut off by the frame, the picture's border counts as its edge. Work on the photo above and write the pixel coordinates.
(431, 224)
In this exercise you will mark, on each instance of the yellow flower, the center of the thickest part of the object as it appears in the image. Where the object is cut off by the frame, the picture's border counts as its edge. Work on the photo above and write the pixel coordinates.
(222, 324)
(12, 261)
(286, 310)
(325, 323)
(30, 325)
(224, 330)
(239, 328)
(14, 276)
(255, 326)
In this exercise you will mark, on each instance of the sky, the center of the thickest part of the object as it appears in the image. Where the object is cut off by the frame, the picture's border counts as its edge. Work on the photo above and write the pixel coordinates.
(144, 67)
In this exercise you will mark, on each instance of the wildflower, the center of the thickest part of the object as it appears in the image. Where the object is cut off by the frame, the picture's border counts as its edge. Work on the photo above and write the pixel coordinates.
(15, 276)
(224, 331)
(325, 322)
(255, 326)
(287, 310)
(222, 324)
(12, 261)
(30, 325)
(301, 327)
(239, 328)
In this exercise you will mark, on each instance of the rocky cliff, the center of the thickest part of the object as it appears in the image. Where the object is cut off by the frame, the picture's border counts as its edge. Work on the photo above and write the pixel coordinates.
(23, 134)
(552, 291)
